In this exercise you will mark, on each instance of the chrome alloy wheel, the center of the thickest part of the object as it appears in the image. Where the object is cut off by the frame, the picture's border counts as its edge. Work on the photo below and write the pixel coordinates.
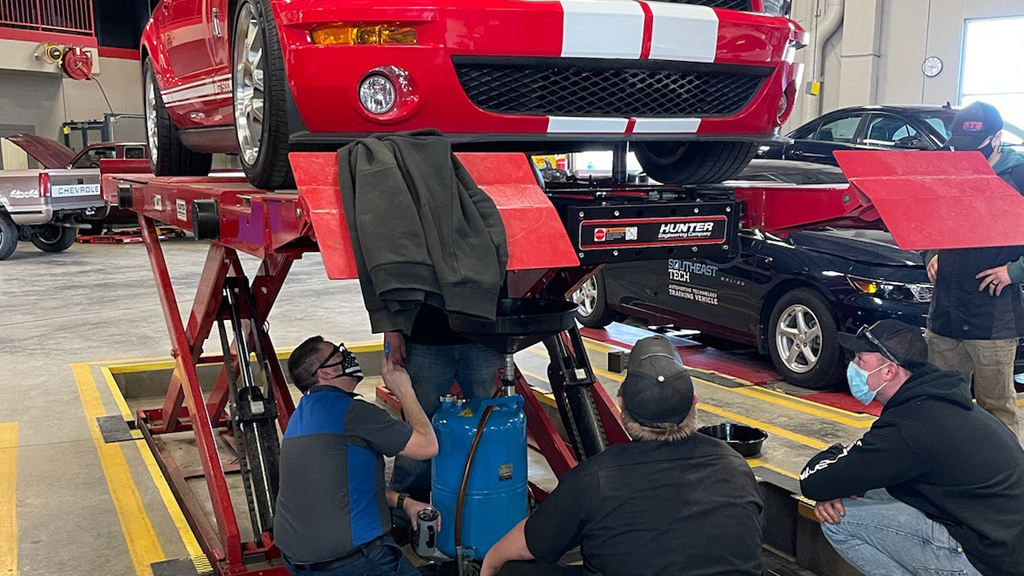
(798, 338)
(248, 83)
(151, 129)
(586, 297)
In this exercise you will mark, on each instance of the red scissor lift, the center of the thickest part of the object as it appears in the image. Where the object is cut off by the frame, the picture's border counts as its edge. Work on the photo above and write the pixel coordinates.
(556, 238)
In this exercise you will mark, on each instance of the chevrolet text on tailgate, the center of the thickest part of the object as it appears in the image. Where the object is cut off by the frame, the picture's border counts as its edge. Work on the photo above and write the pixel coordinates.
(47, 206)
(694, 86)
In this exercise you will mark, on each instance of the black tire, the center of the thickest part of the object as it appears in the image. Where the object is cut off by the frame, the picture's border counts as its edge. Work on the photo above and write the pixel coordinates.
(694, 162)
(168, 155)
(270, 168)
(827, 371)
(8, 236)
(596, 314)
(52, 238)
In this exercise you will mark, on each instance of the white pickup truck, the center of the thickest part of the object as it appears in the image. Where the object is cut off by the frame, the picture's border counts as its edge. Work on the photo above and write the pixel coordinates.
(47, 206)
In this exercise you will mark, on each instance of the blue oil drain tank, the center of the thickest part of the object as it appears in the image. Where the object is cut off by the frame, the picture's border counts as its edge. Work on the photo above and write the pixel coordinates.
(496, 496)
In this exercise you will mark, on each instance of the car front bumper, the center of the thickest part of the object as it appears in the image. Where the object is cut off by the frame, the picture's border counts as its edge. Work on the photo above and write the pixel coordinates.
(529, 47)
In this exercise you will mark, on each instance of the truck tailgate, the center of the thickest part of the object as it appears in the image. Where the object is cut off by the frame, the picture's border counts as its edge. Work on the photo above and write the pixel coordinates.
(73, 189)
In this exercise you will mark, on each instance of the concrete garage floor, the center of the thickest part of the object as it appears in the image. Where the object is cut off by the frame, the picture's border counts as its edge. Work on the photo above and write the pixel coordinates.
(99, 303)
(71, 504)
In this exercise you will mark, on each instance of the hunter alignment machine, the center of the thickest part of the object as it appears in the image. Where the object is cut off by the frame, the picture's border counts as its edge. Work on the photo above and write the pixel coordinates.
(558, 234)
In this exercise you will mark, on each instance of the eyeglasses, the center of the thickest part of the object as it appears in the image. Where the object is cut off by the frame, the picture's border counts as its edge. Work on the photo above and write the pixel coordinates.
(324, 364)
(865, 331)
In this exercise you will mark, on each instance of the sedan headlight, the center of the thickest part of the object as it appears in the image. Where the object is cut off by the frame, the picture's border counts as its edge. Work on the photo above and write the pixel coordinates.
(887, 290)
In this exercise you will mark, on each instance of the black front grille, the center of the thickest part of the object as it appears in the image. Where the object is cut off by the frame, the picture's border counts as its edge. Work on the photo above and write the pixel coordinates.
(561, 87)
(727, 4)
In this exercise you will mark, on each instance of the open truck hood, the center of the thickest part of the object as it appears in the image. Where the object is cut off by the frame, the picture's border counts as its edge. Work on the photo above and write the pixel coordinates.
(50, 153)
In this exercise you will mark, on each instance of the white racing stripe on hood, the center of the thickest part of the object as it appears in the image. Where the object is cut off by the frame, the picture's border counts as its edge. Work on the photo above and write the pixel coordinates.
(683, 32)
(602, 29)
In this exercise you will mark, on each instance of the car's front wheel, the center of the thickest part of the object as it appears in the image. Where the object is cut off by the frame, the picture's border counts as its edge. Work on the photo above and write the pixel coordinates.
(168, 156)
(694, 162)
(593, 310)
(259, 85)
(802, 340)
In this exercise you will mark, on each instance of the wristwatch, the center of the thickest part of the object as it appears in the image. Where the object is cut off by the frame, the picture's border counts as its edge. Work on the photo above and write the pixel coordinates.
(401, 500)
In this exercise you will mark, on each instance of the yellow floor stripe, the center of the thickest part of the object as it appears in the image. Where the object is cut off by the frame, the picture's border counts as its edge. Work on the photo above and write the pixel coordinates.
(758, 463)
(143, 543)
(771, 396)
(805, 406)
(188, 538)
(8, 499)
(600, 346)
(799, 438)
(771, 429)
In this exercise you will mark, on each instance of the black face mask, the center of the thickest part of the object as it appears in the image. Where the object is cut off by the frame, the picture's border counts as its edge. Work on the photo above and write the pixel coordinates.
(987, 150)
(347, 360)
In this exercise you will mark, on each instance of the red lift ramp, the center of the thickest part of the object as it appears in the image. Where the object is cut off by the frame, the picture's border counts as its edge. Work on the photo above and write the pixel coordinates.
(534, 232)
(934, 200)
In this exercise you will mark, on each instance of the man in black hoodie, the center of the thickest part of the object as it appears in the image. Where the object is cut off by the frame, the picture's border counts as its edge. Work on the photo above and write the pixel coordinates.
(977, 313)
(936, 486)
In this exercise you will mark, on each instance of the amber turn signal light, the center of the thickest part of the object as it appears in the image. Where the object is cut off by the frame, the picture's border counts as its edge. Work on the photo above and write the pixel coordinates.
(340, 33)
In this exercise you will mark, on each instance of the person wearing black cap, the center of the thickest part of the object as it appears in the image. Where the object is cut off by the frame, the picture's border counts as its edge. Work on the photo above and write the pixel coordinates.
(936, 486)
(977, 311)
(671, 502)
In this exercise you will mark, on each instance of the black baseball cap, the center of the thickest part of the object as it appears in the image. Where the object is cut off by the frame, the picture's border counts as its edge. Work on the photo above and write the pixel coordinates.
(901, 343)
(657, 388)
(972, 125)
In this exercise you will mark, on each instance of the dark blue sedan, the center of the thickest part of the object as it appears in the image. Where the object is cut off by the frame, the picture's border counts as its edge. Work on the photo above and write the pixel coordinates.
(788, 296)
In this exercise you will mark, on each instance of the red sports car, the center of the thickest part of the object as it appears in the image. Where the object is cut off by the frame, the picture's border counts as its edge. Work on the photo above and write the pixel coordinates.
(694, 85)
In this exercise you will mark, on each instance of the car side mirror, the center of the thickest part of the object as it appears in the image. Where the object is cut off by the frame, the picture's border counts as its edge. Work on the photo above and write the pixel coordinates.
(913, 143)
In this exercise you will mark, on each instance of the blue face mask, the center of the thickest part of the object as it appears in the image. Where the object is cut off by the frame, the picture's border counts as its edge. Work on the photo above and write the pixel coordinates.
(858, 379)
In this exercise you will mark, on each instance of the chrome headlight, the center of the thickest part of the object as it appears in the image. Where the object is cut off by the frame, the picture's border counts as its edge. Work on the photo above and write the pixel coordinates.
(778, 7)
(921, 293)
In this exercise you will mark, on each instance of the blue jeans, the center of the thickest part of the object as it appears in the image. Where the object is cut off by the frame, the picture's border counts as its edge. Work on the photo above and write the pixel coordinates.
(433, 370)
(881, 536)
(386, 559)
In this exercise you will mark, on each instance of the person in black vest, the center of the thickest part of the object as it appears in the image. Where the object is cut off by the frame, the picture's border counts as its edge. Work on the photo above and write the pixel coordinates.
(332, 514)
(936, 486)
(672, 501)
(977, 311)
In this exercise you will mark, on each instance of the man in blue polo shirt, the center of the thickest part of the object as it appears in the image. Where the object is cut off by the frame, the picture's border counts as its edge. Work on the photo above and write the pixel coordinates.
(333, 509)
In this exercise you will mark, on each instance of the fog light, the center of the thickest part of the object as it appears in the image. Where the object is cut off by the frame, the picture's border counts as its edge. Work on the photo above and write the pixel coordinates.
(377, 94)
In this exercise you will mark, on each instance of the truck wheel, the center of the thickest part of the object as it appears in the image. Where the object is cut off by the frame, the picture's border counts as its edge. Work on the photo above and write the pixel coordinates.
(802, 340)
(259, 86)
(593, 311)
(51, 238)
(168, 156)
(694, 162)
(8, 236)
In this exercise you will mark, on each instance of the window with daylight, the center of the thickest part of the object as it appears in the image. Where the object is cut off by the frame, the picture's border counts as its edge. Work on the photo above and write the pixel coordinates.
(991, 46)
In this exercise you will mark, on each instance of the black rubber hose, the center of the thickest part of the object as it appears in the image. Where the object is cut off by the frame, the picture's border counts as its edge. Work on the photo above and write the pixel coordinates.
(465, 476)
